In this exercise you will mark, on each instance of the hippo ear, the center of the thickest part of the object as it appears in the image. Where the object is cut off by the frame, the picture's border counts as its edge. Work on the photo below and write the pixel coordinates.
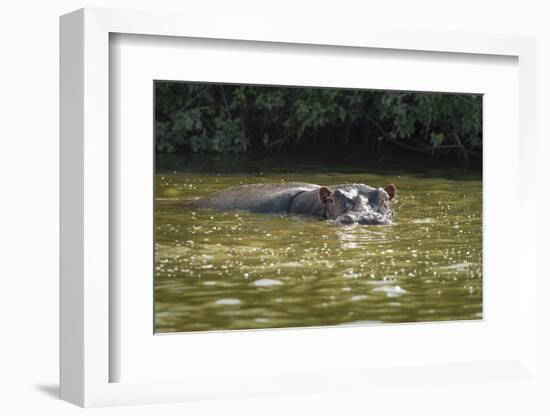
(324, 193)
(391, 190)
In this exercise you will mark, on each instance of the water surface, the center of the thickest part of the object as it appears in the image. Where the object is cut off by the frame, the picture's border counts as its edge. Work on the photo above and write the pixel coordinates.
(238, 270)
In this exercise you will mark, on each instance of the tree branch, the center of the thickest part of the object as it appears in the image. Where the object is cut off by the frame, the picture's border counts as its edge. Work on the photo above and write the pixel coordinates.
(462, 148)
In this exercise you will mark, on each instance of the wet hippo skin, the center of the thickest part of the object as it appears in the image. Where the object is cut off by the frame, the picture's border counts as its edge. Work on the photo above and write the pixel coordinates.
(353, 203)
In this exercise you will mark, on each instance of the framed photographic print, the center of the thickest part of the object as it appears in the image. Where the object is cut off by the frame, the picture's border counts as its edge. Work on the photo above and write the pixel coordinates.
(274, 206)
(271, 214)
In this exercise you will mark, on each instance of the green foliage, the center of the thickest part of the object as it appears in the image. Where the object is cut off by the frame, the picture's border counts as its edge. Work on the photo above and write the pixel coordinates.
(238, 118)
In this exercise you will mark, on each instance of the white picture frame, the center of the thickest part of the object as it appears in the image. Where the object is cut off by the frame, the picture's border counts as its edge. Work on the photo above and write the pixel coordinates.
(86, 356)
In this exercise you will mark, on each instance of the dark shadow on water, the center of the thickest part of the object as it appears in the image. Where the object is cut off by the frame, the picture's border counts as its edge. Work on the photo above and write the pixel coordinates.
(51, 390)
(311, 163)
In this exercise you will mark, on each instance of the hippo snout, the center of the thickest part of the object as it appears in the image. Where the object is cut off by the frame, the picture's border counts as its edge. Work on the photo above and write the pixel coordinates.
(345, 220)
(363, 219)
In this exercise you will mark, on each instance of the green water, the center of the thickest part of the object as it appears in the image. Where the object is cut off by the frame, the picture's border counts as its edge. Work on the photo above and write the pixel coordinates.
(238, 270)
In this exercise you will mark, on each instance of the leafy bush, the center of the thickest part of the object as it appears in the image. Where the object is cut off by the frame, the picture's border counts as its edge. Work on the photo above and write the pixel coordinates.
(239, 118)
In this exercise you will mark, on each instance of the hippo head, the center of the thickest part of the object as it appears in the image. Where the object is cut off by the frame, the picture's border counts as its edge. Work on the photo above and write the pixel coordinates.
(351, 206)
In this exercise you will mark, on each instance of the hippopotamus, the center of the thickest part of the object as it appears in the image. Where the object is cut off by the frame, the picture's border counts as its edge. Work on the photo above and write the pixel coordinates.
(353, 203)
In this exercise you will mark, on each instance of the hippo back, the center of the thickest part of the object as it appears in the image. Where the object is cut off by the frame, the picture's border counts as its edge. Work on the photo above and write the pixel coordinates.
(260, 198)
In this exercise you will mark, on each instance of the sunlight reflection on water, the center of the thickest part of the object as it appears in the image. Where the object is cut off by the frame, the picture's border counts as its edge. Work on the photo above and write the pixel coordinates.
(238, 270)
